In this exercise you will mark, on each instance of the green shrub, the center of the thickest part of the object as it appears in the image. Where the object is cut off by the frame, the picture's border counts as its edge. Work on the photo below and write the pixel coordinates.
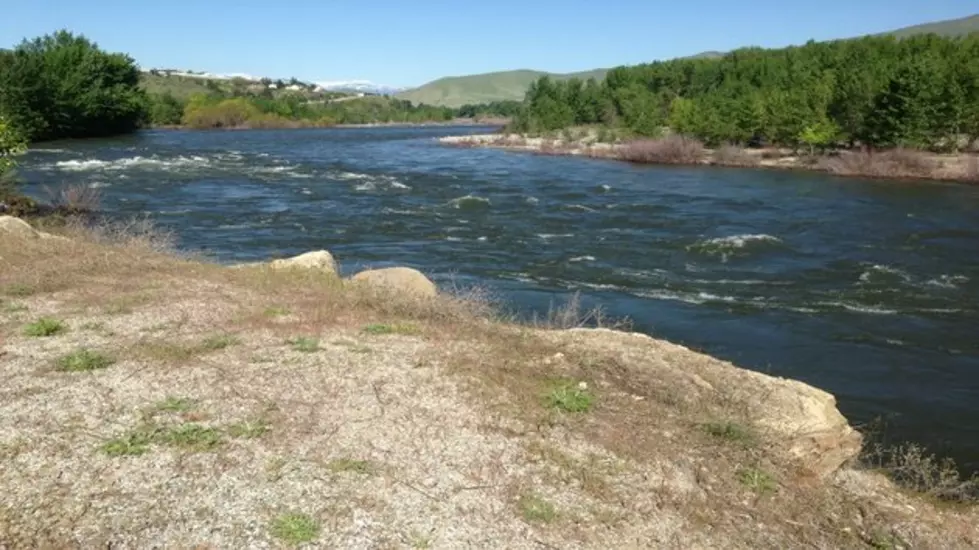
(84, 360)
(45, 326)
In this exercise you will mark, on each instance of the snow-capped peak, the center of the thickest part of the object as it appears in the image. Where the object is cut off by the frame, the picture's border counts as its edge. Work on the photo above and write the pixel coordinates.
(365, 86)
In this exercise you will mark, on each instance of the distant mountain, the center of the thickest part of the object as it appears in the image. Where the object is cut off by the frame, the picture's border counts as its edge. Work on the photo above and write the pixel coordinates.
(455, 91)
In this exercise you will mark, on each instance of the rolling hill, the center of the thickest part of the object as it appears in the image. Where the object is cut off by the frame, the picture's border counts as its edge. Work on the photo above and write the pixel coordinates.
(455, 91)
(951, 27)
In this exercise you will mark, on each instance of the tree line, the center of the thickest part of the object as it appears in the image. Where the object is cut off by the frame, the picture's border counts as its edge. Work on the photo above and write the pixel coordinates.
(921, 91)
(63, 85)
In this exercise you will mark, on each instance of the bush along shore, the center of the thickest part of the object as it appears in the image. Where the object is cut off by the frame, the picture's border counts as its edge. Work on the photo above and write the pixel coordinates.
(154, 399)
(896, 163)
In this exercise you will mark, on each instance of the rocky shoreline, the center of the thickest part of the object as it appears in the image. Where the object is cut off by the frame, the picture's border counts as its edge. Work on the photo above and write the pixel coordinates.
(898, 164)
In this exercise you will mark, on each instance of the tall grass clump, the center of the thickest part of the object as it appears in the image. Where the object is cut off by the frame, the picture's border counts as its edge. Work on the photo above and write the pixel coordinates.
(894, 163)
(673, 149)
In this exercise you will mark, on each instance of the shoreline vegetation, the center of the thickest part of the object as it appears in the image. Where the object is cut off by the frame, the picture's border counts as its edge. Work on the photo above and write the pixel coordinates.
(320, 402)
(895, 163)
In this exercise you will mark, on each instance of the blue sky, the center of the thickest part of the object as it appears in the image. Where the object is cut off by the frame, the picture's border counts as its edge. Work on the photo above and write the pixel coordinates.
(404, 43)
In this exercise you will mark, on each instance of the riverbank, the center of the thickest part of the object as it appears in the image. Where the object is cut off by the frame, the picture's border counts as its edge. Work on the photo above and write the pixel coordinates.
(278, 403)
(287, 124)
(893, 164)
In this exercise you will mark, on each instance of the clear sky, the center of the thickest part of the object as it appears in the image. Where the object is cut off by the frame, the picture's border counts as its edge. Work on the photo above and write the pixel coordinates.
(406, 43)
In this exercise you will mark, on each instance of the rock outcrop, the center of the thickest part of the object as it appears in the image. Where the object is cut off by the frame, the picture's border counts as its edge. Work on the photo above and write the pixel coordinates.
(798, 420)
(16, 227)
(317, 259)
(398, 279)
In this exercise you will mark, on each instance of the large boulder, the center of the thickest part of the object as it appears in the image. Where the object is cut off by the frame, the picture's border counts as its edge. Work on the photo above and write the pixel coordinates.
(398, 279)
(16, 227)
(320, 260)
(801, 422)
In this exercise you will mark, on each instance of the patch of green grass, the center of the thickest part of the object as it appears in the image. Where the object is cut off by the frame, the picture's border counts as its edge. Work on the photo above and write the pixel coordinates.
(884, 540)
(219, 342)
(192, 437)
(384, 328)
(132, 444)
(535, 509)
(757, 480)
(731, 431)
(45, 326)
(175, 404)
(276, 311)
(350, 465)
(295, 528)
(305, 344)
(419, 541)
(13, 307)
(569, 396)
(84, 360)
(248, 429)
(19, 290)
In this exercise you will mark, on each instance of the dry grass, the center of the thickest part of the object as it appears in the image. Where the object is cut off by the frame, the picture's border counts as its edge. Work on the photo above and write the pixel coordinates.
(916, 470)
(894, 163)
(732, 155)
(450, 401)
(669, 150)
(74, 199)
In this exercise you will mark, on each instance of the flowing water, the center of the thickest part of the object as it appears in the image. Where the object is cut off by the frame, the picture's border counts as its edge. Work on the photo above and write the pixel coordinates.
(867, 289)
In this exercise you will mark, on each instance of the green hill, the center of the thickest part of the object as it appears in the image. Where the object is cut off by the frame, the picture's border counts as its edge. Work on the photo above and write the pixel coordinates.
(181, 87)
(951, 27)
(455, 91)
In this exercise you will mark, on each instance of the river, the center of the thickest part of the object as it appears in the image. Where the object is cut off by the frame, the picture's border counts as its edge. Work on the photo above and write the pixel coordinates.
(867, 289)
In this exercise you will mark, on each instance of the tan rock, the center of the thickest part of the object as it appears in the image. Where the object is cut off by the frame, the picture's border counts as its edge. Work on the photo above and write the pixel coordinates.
(399, 279)
(319, 259)
(17, 227)
(799, 420)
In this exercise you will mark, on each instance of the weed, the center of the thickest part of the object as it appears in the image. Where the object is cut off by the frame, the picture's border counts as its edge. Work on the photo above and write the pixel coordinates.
(274, 469)
(757, 480)
(219, 342)
(175, 404)
(305, 344)
(915, 470)
(248, 429)
(350, 465)
(276, 311)
(19, 290)
(535, 509)
(570, 397)
(11, 307)
(420, 541)
(295, 528)
(884, 540)
(192, 437)
(730, 431)
(132, 444)
(84, 360)
(43, 327)
(382, 328)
